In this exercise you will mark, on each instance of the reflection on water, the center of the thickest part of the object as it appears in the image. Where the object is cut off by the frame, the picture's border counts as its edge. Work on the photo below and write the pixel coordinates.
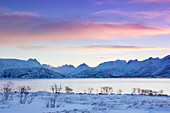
(79, 85)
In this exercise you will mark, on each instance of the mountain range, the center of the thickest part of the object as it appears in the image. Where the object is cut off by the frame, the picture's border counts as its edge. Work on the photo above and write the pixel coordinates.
(149, 68)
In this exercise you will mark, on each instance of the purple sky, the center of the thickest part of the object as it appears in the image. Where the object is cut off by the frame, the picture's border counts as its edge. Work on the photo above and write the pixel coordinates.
(57, 32)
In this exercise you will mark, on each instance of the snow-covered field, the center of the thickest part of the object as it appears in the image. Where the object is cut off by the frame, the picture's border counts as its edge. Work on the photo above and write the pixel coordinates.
(86, 103)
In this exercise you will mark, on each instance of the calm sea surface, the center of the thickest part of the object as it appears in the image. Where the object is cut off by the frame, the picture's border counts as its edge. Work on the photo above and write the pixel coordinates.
(79, 85)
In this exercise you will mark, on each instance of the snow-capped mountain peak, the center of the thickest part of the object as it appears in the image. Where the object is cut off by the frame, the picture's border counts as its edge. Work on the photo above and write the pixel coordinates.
(33, 61)
(15, 63)
(82, 66)
(132, 61)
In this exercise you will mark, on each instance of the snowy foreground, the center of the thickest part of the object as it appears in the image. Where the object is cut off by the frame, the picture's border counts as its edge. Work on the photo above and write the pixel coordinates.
(85, 103)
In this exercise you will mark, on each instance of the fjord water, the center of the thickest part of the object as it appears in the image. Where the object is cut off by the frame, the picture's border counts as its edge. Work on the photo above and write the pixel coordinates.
(79, 85)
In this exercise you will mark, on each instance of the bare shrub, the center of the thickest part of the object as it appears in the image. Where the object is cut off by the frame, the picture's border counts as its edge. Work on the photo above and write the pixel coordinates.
(51, 102)
(84, 91)
(90, 90)
(119, 92)
(56, 88)
(161, 92)
(7, 90)
(139, 91)
(133, 91)
(23, 90)
(106, 90)
(68, 89)
(31, 97)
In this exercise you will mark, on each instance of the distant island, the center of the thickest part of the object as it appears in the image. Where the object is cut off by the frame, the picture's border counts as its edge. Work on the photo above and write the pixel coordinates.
(149, 68)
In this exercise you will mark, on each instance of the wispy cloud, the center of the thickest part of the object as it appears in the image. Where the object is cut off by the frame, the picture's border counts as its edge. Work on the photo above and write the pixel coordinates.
(137, 14)
(25, 27)
(101, 2)
(149, 1)
(102, 58)
(151, 16)
(66, 30)
(123, 47)
(6, 11)
(109, 11)
(113, 2)
(89, 49)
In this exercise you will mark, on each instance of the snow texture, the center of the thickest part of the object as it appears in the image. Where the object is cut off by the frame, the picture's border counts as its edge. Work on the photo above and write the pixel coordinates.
(88, 103)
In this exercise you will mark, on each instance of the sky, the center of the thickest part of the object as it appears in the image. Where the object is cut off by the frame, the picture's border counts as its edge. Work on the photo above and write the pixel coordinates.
(59, 32)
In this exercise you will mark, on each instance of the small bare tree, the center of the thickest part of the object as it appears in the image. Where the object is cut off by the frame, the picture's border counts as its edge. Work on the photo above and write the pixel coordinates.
(161, 92)
(51, 102)
(119, 92)
(90, 90)
(7, 90)
(133, 91)
(68, 89)
(56, 89)
(146, 92)
(31, 97)
(23, 90)
(106, 90)
(136, 91)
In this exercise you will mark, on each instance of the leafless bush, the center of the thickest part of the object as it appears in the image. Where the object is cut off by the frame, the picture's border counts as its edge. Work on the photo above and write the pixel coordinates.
(24, 94)
(51, 102)
(161, 92)
(90, 90)
(31, 97)
(56, 88)
(119, 92)
(146, 92)
(106, 90)
(7, 90)
(134, 91)
(84, 91)
(68, 89)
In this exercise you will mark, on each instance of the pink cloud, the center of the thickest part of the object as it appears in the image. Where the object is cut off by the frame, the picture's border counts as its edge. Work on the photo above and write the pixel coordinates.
(21, 28)
(149, 1)
(137, 14)
(122, 47)
(72, 31)
(113, 2)
(89, 49)
(101, 2)
(109, 11)
(6, 11)
(152, 14)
